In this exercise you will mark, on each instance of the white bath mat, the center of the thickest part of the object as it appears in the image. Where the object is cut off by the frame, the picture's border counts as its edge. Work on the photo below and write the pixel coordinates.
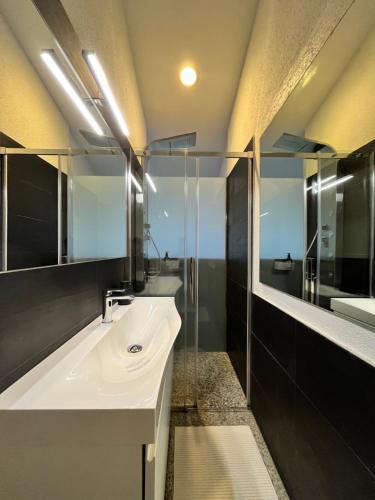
(219, 463)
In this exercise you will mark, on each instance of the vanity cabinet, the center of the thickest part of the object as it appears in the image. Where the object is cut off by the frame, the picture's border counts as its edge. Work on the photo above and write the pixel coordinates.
(91, 421)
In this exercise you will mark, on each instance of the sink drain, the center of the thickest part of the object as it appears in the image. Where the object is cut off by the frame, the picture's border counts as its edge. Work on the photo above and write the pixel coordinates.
(135, 348)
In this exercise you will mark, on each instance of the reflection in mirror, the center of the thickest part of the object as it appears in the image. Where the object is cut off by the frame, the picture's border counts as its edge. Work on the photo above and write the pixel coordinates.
(97, 207)
(317, 206)
(37, 113)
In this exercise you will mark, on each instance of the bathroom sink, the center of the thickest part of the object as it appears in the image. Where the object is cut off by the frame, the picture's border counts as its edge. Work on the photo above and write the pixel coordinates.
(117, 367)
(163, 286)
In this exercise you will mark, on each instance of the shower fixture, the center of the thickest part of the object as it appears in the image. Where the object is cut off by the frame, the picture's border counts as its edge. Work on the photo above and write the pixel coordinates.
(148, 237)
(183, 141)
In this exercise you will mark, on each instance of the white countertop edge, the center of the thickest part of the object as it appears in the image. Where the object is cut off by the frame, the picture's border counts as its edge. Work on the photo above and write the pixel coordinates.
(74, 348)
(357, 340)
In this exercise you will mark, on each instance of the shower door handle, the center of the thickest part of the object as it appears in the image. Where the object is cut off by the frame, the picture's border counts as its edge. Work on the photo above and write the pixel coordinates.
(192, 279)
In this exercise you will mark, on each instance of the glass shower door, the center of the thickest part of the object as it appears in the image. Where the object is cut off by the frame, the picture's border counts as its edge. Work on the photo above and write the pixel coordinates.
(170, 256)
(185, 256)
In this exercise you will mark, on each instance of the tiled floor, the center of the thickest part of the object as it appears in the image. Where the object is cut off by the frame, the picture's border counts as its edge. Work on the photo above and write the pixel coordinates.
(221, 401)
(218, 385)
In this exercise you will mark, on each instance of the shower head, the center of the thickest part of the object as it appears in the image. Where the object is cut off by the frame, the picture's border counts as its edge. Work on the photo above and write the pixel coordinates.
(182, 141)
(296, 143)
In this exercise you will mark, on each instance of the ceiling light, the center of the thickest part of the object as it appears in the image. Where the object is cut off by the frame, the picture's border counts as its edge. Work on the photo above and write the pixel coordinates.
(102, 81)
(166, 213)
(136, 183)
(151, 182)
(188, 76)
(55, 69)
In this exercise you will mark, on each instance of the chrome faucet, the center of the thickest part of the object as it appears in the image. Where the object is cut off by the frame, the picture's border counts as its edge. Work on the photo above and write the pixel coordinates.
(110, 297)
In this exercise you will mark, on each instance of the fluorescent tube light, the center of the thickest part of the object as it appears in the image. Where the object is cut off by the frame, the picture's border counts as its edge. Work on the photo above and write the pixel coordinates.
(136, 183)
(166, 213)
(69, 89)
(322, 182)
(102, 81)
(338, 181)
(151, 182)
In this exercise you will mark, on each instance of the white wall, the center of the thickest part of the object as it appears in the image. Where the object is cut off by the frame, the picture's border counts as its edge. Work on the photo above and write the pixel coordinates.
(28, 114)
(168, 230)
(346, 118)
(98, 217)
(282, 218)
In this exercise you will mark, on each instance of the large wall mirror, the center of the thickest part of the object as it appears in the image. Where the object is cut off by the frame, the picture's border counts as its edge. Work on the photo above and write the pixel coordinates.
(317, 198)
(64, 191)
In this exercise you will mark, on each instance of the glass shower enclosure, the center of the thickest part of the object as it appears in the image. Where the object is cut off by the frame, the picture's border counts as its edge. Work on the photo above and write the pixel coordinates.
(185, 257)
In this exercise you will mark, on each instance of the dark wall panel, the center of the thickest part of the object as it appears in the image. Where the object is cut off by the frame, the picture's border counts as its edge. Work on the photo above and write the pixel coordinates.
(40, 309)
(237, 253)
(315, 405)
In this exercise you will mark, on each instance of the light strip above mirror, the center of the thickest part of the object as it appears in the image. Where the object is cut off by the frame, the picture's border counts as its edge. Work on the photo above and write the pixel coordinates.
(52, 64)
(136, 183)
(101, 79)
(151, 182)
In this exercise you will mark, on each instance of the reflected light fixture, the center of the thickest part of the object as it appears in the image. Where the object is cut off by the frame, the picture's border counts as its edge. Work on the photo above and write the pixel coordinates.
(102, 81)
(166, 213)
(53, 66)
(151, 182)
(329, 185)
(188, 76)
(338, 181)
(136, 183)
(315, 184)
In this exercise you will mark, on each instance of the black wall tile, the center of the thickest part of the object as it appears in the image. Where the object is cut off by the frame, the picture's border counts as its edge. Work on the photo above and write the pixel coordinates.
(237, 346)
(272, 401)
(237, 300)
(318, 421)
(277, 332)
(42, 308)
(325, 466)
(237, 251)
(342, 387)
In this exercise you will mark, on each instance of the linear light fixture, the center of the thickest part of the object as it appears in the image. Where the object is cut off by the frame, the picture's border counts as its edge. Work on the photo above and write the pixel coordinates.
(322, 182)
(151, 182)
(136, 183)
(166, 213)
(102, 81)
(337, 182)
(53, 66)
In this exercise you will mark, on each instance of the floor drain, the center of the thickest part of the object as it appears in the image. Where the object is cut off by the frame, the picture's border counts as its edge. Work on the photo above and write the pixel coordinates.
(135, 348)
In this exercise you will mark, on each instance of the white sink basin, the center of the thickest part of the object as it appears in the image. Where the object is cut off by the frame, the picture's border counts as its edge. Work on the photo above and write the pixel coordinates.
(94, 370)
(93, 402)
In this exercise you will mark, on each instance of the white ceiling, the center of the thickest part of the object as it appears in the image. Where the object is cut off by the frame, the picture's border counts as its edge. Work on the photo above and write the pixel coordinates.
(212, 36)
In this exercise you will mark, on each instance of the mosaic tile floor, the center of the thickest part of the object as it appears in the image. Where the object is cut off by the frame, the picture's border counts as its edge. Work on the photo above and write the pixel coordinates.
(218, 385)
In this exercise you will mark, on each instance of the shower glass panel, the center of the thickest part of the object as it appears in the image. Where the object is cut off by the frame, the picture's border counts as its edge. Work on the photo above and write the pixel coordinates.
(212, 358)
(185, 257)
(170, 256)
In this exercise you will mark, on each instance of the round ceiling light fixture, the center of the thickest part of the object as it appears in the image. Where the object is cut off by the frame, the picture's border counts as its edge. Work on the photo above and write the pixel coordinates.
(188, 76)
